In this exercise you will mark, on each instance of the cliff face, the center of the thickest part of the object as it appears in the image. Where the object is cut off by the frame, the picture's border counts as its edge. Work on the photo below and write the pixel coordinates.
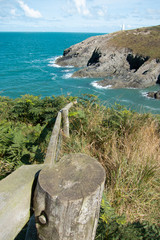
(119, 66)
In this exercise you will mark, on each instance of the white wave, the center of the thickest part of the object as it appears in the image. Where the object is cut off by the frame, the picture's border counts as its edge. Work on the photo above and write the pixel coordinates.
(152, 108)
(52, 62)
(126, 101)
(54, 76)
(66, 70)
(144, 94)
(36, 60)
(69, 66)
(82, 87)
(131, 88)
(67, 75)
(96, 85)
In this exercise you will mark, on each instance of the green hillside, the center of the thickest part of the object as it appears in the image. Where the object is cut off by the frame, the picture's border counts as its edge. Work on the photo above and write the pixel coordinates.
(142, 41)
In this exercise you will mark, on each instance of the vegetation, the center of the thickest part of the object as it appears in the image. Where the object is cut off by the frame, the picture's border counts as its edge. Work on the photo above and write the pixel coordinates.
(114, 227)
(125, 143)
(142, 41)
(25, 127)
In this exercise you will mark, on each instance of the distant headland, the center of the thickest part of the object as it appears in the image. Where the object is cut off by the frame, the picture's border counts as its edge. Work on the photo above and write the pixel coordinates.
(121, 59)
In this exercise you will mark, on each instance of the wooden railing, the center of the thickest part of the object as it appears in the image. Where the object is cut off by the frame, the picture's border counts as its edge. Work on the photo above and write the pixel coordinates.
(52, 147)
(65, 196)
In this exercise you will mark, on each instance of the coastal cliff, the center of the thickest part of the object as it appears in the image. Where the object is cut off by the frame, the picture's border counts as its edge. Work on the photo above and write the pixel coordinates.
(121, 59)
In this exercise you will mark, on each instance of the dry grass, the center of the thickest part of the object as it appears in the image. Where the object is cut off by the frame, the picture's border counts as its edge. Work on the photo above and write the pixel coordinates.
(143, 41)
(130, 154)
(135, 190)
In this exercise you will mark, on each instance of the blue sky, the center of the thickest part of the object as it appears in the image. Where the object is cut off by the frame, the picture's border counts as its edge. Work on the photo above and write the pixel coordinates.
(77, 15)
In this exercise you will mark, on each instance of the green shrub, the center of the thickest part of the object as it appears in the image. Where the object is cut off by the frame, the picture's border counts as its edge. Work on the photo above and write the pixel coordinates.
(26, 124)
(114, 227)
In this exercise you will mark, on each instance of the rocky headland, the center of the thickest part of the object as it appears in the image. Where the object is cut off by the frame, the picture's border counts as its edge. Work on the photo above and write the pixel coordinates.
(122, 59)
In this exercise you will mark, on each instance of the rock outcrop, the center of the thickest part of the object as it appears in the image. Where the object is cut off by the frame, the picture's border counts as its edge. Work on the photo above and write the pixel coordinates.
(155, 95)
(120, 67)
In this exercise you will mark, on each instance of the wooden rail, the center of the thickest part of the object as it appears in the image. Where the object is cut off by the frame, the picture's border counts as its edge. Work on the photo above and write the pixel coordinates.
(15, 200)
(16, 189)
(65, 195)
(52, 147)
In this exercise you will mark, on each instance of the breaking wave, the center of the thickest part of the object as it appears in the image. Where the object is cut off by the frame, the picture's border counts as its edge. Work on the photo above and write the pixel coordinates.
(96, 85)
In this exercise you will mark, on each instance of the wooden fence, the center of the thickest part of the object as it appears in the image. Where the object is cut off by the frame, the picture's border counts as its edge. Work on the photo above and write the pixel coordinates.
(63, 196)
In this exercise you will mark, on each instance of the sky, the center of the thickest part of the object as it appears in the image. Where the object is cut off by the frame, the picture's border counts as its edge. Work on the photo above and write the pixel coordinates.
(99, 16)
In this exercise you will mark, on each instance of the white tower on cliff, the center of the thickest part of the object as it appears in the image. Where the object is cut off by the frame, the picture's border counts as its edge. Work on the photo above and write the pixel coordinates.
(123, 27)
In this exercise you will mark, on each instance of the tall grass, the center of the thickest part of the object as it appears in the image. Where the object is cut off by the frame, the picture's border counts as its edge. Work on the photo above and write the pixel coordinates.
(127, 144)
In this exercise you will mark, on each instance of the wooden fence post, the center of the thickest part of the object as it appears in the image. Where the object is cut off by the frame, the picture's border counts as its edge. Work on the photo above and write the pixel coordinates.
(65, 122)
(65, 118)
(67, 199)
(52, 147)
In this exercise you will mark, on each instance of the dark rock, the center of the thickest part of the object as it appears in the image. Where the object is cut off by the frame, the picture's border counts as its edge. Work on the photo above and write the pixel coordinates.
(98, 59)
(66, 51)
(158, 79)
(151, 94)
(155, 95)
(136, 61)
(95, 57)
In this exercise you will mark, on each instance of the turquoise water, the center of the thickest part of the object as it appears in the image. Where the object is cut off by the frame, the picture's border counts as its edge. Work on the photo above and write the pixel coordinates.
(27, 66)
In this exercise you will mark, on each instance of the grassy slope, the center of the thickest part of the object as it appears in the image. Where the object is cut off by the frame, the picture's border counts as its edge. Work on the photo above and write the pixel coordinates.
(127, 145)
(142, 41)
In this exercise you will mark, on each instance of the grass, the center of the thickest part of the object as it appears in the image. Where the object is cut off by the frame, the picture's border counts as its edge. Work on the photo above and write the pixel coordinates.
(135, 189)
(127, 145)
(124, 142)
(142, 41)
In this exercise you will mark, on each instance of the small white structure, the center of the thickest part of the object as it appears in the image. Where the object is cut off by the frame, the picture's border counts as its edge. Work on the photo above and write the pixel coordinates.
(123, 27)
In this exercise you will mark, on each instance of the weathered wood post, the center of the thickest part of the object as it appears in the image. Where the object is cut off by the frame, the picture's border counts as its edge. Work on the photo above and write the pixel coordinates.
(65, 122)
(52, 147)
(67, 198)
(66, 119)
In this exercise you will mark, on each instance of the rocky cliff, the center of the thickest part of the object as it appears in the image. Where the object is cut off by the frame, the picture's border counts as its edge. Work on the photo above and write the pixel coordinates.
(121, 59)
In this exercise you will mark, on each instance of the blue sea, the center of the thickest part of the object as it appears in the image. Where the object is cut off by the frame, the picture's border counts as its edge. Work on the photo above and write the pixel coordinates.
(27, 66)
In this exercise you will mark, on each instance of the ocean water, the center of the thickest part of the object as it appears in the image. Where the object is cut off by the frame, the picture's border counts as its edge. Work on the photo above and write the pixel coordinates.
(27, 66)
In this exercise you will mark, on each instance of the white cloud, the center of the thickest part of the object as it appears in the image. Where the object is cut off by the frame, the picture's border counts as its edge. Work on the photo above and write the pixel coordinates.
(13, 12)
(29, 12)
(81, 7)
(100, 13)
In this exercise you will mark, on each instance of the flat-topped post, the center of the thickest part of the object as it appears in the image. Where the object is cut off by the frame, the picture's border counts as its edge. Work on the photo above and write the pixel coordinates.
(67, 198)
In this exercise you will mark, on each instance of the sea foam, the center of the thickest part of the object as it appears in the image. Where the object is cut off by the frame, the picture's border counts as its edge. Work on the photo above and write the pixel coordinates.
(67, 75)
(53, 76)
(66, 70)
(52, 62)
(145, 94)
(96, 85)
